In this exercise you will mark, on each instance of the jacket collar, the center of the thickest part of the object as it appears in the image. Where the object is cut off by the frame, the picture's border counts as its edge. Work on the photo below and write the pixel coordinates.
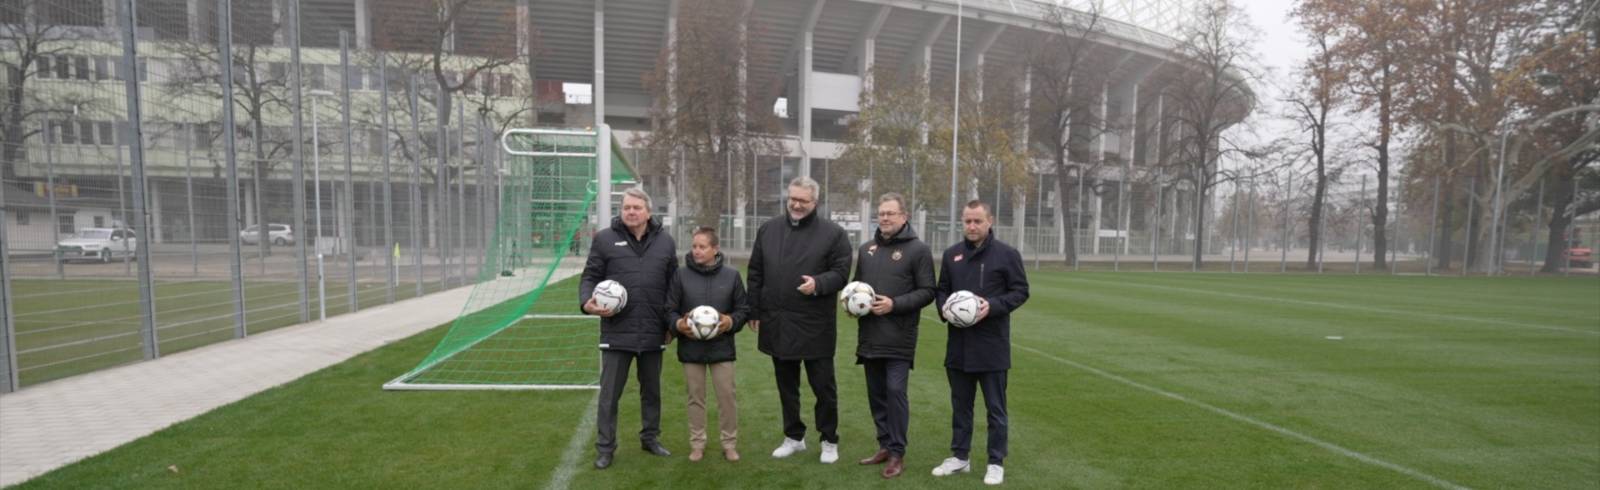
(905, 234)
(975, 249)
(650, 228)
(802, 222)
(716, 264)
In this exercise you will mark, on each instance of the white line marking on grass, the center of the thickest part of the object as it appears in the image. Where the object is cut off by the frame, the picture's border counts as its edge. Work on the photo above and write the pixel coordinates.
(1339, 306)
(1341, 450)
(562, 476)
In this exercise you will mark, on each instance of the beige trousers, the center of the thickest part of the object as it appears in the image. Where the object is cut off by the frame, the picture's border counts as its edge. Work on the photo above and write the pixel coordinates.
(727, 407)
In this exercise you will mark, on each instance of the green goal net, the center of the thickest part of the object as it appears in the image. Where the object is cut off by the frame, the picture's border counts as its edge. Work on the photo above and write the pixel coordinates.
(521, 327)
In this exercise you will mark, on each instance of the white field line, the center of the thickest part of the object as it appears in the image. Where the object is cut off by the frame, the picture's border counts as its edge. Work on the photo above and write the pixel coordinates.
(1335, 448)
(562, 476)
(1339, 306)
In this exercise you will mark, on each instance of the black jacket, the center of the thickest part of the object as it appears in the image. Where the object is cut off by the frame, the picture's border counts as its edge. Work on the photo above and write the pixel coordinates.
(900, 267)
(715, 286)
(796, 326)
(644, 267)
(994, 272)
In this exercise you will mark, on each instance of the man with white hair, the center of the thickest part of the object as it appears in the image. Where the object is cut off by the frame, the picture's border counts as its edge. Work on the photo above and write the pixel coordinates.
(637, 254)
(798, 263)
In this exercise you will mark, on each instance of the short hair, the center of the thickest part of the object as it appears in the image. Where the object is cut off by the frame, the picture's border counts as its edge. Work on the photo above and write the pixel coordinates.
(638, 193)
(709, 232)
(978, 203)
(897, 198)
(808, 183)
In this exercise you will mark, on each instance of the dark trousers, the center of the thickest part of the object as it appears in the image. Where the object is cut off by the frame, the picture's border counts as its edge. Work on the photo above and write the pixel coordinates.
(819, 372)
(963, 388)
(886, 395)
(613, 379)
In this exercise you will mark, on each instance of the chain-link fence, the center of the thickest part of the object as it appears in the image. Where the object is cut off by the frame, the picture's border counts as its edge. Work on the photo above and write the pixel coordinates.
(358, 179)
(293, 165)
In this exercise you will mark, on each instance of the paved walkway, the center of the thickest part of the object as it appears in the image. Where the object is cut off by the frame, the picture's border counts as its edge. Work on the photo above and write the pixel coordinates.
(53, 424)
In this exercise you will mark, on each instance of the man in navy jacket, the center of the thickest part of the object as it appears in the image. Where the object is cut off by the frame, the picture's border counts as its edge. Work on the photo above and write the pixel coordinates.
(979, 356)
(636, 253)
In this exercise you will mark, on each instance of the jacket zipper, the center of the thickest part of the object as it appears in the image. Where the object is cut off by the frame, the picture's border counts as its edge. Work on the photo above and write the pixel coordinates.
(980, 276)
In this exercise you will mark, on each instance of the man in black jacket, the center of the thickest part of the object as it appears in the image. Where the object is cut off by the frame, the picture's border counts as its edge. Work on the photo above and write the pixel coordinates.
(899, 267)
(798, 263)
(635, 253)
(980, 355)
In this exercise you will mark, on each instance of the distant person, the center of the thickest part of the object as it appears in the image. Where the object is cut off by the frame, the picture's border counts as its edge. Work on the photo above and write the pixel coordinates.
(979, 356)
(635, 253)
(797, 264)
(705, 281)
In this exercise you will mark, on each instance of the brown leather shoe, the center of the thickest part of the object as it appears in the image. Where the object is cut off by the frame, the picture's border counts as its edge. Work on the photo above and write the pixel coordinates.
(896, 466)
(877, 458)
(731, 454)
(696, 454)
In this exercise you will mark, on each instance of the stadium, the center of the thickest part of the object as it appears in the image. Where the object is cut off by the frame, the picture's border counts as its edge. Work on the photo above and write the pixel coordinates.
(354, 263)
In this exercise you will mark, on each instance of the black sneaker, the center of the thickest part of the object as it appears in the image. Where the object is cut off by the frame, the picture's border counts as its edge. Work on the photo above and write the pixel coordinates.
(602, 461)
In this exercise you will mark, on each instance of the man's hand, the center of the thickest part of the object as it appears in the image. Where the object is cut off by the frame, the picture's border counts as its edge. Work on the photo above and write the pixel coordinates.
(755, 326)
(725, 324)
(594, 308)
(683, 327)
(808, 285)
(983, 310)
(882, 305)
(668, 341)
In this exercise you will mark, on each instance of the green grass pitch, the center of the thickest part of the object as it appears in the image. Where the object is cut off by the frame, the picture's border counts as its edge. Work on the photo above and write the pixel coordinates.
(1119, 380)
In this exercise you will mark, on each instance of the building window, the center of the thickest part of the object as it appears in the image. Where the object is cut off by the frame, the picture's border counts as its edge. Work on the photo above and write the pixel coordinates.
(102, 70)
(63, 67)
(22, 217)
(86, 132)
(82, 65)
(65, 224)
(314, 75)
(106, 137)
(42, 66)
(99, 221)
(69, 133)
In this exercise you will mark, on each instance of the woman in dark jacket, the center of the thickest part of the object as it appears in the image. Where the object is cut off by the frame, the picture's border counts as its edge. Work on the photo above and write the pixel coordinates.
(704, 281)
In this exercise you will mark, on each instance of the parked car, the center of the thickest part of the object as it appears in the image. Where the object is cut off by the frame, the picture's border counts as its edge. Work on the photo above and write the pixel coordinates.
(101, 244)
(277, 234)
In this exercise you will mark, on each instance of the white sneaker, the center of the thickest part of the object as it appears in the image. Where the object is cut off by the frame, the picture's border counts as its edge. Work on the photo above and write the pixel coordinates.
(830, 452)
(788, 448)
(951, 466)
(995, 476)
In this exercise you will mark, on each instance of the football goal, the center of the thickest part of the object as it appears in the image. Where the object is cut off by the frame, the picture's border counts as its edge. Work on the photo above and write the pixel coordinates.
(521, 328)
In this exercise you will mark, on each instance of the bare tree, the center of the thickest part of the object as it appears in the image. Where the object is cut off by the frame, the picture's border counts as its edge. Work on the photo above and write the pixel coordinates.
(1214, 96)
(702, 122)
(1062, 62)
(1312, 105)
(30, 49)
(885, 144)
(259, 94)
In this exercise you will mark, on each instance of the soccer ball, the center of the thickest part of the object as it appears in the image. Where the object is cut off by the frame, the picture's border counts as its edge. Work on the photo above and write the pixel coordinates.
(611, 295)
(858, 305)
(961, 309)
(856, 298)
(703, 322)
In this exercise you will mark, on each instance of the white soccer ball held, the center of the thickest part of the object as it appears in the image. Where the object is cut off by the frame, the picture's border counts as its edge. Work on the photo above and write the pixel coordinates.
(703, 321)
(961, 309)
(856, 298)
(610, 295)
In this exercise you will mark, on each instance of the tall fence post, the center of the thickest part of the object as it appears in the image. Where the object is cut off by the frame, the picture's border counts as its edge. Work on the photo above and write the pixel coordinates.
(388, 183)
(1288, 225)
(8, 317)
(349, 172)
(50, 193)
(1250, 227)
(416, 220)
(235, 260)
(299, 187)
(147, 305)
(1472, 201)
(1433, 228)
(1155, 225)
(1533, 231)
(1361, 226)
